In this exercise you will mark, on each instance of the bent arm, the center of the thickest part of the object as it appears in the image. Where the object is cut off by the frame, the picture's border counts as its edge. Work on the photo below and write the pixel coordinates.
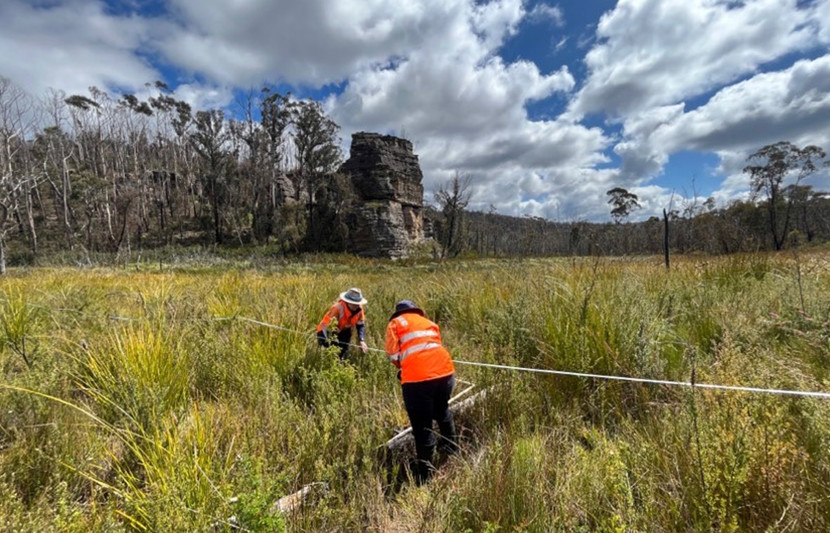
(361, 325)
(393, 346)
(331, 314)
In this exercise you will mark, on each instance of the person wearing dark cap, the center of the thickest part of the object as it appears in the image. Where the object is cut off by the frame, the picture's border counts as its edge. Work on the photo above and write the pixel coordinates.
(349, 315)
(427, 376)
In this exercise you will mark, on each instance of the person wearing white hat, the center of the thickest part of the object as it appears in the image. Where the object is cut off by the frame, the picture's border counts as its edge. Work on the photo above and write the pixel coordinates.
(349, 315)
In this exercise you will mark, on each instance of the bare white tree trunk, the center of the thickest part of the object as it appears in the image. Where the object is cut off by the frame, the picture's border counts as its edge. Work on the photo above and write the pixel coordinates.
(30, 220)
(2, 256)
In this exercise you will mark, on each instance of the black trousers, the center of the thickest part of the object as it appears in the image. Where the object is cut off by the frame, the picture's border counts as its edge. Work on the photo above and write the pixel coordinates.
(426, 401)
(344, 337)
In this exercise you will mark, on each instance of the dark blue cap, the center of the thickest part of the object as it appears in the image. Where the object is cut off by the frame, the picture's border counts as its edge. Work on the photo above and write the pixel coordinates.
(406, 306)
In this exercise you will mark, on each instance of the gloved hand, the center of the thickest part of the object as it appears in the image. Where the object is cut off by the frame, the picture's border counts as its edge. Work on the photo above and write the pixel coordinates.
(322, 339)
(364, 347)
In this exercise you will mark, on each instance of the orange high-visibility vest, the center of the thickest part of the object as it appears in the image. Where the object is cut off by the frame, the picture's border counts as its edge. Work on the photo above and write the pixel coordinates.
(413, 344)
(340, 312)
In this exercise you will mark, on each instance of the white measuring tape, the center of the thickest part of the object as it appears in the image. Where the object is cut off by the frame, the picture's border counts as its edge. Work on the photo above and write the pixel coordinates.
(786, 392)
(810, 394)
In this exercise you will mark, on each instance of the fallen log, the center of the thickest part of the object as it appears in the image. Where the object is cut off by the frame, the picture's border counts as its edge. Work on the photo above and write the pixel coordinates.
(292, 502)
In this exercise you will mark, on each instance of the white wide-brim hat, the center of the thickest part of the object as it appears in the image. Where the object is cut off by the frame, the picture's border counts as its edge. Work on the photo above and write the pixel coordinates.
(353, 296)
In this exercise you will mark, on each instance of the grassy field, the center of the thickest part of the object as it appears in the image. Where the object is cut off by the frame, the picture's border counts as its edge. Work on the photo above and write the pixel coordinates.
(125, 407)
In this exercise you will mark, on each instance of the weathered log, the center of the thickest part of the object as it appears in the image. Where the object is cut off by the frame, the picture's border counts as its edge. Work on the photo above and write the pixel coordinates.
(292, 502)
(285, 505)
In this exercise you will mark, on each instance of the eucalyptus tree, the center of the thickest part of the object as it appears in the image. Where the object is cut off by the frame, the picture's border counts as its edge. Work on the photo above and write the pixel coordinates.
(18, 174)
(174, 119)
(623, 202)
(769, 167)
(93, 186)
(56, 149)
(257, 138)
(163, 175)
(275, 112)
(131, 140)
(805, 202)
(317, 148)
(209, 140)
(452, 199)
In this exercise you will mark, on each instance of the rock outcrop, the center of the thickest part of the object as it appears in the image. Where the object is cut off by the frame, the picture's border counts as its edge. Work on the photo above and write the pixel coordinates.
(388, 214)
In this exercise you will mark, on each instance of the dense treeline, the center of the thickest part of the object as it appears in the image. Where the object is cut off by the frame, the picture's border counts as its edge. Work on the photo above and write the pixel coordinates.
(741, 226)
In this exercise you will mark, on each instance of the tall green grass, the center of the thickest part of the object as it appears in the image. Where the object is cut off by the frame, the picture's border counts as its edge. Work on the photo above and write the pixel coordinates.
(126, 406)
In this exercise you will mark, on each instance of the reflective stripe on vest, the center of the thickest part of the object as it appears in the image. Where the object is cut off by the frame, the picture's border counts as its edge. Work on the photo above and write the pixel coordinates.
(418, 334)
(418, 348)
(421, 354)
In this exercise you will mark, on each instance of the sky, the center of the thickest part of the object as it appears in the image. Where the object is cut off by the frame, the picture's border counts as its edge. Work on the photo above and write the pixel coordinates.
(545, 105)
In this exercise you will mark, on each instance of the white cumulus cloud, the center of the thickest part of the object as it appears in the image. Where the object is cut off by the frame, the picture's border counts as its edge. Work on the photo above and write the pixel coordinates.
(658, 52)
(545, 12)
(464, 107)
(72, 45)
(714, 76)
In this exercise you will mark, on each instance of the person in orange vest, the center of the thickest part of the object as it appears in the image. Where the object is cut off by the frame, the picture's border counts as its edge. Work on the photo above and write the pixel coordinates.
(348, 314)
(427, 376)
